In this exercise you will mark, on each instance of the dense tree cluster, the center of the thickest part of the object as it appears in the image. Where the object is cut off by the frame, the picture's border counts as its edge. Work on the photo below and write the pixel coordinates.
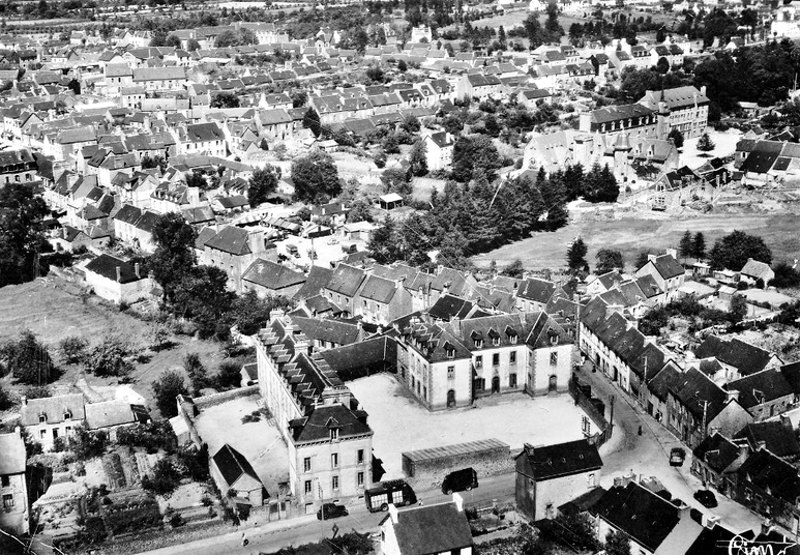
(262, 185)
(315, 178)
(733, 250)
(27, 360)
(468, 219)
(689, 308)
(21, 233)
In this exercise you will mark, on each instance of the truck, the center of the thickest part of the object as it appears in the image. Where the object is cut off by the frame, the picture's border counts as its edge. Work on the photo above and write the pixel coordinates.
(396, 492)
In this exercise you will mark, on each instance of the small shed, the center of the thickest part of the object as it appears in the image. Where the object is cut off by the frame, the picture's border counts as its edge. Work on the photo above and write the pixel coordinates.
(391, 201)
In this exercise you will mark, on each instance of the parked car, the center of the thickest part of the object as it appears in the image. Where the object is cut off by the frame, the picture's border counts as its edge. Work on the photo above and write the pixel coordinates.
(676, 456)
(331, 510)
(706, 498)
(460, 480)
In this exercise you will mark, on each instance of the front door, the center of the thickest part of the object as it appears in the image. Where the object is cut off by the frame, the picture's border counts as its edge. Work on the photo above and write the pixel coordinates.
(496, 384)
(451, 397)
(553, 383)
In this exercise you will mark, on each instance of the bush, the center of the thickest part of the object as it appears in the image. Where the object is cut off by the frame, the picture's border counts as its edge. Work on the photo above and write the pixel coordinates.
(109, 359)
(73, 349)
(37, 392)
(229, 375)
(152, 436)
(87, 445)
(195, 461)
(164, 480)
(166, 389)
(5, 399)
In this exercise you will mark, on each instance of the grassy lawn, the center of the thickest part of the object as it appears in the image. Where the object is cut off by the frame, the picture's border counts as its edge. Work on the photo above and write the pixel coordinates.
(547, 250)
(53, 314)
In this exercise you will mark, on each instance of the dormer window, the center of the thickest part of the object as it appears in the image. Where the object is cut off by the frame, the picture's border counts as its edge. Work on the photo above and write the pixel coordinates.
(479, 343)
(495, 341)
(67, 414)
(42, 417)
(554, 339)
(334, 434)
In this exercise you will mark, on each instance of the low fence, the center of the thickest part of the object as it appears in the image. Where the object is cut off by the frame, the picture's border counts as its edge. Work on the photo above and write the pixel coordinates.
(582, 396)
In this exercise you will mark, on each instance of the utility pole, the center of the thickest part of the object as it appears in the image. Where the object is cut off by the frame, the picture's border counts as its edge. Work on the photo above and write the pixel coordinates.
(611, 420)
(705, 411)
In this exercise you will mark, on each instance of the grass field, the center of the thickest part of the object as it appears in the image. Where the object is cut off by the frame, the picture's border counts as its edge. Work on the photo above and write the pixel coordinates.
(634, 234)
(53, 314)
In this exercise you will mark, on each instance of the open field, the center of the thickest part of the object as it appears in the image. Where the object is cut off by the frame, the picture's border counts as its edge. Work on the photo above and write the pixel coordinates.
(53, 314)
(632, 234)
(401, 424)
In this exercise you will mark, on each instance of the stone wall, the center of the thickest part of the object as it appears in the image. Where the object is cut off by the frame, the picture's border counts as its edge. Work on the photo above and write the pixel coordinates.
(431, 473)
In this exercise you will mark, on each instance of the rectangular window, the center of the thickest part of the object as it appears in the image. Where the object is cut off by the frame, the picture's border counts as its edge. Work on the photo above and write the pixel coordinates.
(360, 457)
(451, 372)
(360, 479)
(496, 359)
(479, 361)
(554, 359)
(5, 481)
(334, 433)
(335, 483)
(512, 357)
(335, 460)
(42, 434)
(307, 487)
(8, 502)
(307, 464)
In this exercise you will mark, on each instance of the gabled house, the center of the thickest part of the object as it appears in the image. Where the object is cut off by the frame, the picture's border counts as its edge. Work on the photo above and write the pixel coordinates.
(343, 287)
(667, 272)
(268, 278)
(777, 436)
(736, 356)
(770, 486)
(551, 475)
(755, 271)
(116, 280)
(232, 472)
(233, 250)
(764, 394)
(50, 418)
(427, 530)
(381, 300)
(439, 150)
(716, 460)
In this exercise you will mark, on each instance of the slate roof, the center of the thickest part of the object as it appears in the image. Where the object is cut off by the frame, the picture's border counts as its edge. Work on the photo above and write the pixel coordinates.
(640, 513)
(318, 278)
(774, 435)
(345, 280)
(232, 240)
(233, 465)
(109, 413)
(448, 307)
(537, 290)
(760, 387)
(559, 460)
(272, 275)
(378, 289)
(608, 114)
(693, 388)
(377, 352)
(770, 473)
(668, 267)
(756, 269)
(746, 358)
(317, 425)
(106, 266)
(440, 528)
(718, 452)
(328, 330)
(53, 408)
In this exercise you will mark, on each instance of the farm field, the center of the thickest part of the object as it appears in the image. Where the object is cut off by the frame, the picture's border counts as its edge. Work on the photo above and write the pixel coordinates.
(631, 234)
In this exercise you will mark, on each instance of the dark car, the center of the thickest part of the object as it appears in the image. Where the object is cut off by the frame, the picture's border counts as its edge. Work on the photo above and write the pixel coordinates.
(460, 480)
(706, 498)
(331, 510)
(677, 456)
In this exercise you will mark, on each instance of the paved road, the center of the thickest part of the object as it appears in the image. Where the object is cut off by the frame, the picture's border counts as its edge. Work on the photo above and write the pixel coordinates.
(308, 529)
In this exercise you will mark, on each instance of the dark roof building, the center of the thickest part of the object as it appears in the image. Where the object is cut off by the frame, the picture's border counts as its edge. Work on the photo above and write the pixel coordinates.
(428, 529)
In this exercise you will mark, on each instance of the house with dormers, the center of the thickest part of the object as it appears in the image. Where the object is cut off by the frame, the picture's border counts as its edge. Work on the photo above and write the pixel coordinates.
(329, 440)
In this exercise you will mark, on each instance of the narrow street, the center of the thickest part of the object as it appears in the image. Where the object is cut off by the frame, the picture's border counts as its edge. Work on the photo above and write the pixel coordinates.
(648, 454)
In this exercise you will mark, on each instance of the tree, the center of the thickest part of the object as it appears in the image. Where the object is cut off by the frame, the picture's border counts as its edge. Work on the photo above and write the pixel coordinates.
(733, 251)
(475, 153)
(28, 360)
(166, 389)
(5, 399)
(299, 98)
(410, 124)
(395, 180)
(225, 100)
(235, 37)
(737, 308)
(315, 178)
(705, 143)
(662, 66)
(21, 233)
(686, 246)
(109, 359)
(87, 445)
(229, 375)
(576, 256)
(192, 45)
(417, 158)
(262, 185)
(600, 185)
(383, 244)
(551, 25)
(607, 260)
(198, 375)
(165, 478)
(661, 36)
(785, 276)
(73, 349)
(311, 121)
(402, 66)
(516, 269)
(249, 312)
(534, 31)
(699, 247)
(618, 543)
(677, 137)
(173, 258)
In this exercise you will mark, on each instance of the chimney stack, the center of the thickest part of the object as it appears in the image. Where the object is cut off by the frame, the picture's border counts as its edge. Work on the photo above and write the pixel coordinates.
(119, 274)
(137, 270)
(459, 501)
(393, 513)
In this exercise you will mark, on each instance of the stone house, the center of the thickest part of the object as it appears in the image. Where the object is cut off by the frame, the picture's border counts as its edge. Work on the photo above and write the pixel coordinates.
(15, 516)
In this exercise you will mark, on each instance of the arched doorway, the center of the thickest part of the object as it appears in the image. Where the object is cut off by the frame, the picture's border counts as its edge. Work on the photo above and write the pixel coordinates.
(496, 384)
(451, 398)
(553, 383)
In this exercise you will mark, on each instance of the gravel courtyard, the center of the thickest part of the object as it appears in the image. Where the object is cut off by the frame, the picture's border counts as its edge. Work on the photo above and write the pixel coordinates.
(401, 424)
